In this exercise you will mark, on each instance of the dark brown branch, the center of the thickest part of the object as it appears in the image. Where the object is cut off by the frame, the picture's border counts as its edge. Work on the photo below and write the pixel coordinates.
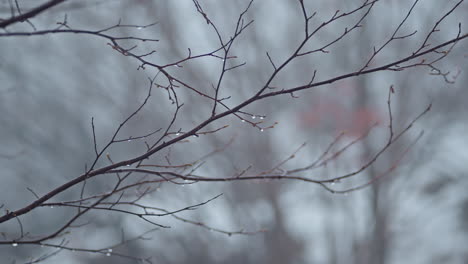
(32, 13)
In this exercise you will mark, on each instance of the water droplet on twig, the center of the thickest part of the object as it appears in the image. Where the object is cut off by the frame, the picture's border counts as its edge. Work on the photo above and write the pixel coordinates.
(335, 182)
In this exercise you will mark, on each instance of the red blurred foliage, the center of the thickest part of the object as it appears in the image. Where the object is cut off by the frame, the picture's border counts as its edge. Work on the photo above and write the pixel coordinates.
(337, 115)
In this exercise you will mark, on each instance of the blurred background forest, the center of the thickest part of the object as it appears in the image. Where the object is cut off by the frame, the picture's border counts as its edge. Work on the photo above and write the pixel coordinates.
(51, 86)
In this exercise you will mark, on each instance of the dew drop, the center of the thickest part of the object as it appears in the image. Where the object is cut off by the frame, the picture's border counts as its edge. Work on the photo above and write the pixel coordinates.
(139, 27)
(177, 134)
(261, 130)
(15, 244)
(108, 254)
(262, 117)
(128, 165)
(253, 117)
(109, 250)
(335, 182)
(129, 140)
(51, 207)
(195, 135)
(243, 121)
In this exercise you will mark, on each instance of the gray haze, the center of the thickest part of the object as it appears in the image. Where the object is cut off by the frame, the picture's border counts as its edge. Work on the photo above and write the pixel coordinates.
(51, 86)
